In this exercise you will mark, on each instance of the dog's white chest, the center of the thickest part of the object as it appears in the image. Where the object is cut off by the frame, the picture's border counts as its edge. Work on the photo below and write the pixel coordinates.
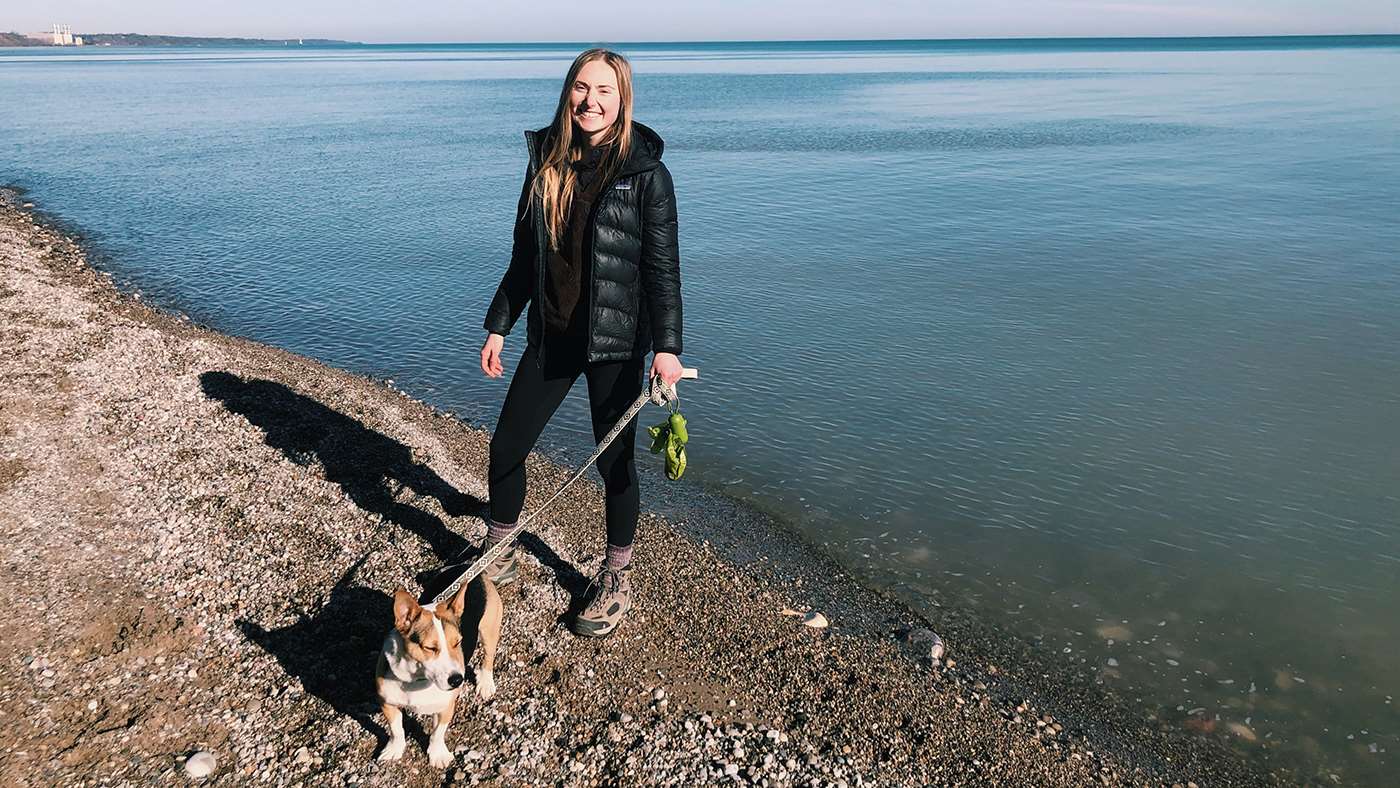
(419, 697)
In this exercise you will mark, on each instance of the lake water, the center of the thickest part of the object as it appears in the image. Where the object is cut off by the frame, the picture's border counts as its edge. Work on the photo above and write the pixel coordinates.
(1099, 338)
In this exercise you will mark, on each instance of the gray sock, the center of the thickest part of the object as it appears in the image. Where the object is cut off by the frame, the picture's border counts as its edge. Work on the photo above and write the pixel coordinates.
(618, 557)
(495, 531)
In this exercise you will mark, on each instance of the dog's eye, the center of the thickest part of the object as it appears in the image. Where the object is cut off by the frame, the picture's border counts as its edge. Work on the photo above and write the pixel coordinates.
(457, 644)
(433, 648)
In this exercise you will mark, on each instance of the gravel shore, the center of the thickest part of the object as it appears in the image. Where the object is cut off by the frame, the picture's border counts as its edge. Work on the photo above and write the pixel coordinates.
(202, 534)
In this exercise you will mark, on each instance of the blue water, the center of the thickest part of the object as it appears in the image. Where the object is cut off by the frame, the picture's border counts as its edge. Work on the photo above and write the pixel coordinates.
(1098, 337)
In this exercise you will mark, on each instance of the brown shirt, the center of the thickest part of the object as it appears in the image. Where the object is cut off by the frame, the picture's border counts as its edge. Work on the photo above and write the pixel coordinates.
(566, 274)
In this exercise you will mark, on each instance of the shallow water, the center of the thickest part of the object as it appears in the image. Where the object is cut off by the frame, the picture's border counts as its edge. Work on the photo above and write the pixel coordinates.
(1100, 338)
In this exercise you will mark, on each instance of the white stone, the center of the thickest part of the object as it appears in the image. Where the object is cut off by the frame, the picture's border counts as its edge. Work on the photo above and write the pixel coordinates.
(201, 765)
(928, 642)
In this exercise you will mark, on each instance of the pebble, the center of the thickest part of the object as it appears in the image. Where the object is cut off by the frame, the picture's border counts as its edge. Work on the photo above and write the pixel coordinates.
(1241, 730)
(201, 765)
(928, 643)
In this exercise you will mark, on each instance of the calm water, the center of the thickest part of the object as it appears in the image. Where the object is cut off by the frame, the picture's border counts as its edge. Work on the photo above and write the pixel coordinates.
(1101, 338)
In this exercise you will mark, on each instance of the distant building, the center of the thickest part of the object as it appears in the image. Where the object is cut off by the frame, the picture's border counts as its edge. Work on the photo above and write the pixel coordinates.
(60, 36)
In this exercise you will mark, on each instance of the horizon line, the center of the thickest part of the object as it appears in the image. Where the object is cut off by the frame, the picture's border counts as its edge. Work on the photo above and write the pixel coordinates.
(839, 40)
(774, 40)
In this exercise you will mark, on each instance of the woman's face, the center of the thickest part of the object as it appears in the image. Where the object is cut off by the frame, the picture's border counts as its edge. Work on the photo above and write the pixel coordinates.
(593, 100)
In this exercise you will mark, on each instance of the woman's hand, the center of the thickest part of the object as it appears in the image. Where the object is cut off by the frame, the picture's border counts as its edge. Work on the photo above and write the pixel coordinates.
(668, 366)
(491, 355)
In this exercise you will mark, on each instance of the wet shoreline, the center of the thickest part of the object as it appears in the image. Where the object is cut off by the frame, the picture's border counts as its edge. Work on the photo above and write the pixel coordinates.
(248, 509)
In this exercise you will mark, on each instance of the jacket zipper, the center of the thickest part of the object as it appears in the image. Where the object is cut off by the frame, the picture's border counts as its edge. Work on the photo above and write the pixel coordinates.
(592, 275)
(539, 245)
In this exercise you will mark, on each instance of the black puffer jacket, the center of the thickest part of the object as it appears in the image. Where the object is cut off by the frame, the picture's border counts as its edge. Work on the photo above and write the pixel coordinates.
(634, 288)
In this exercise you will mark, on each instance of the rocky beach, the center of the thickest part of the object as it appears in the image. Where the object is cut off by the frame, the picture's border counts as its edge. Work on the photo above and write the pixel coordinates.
(202, 534)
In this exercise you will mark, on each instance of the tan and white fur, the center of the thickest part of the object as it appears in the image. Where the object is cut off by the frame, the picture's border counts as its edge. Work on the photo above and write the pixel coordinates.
(422, 667)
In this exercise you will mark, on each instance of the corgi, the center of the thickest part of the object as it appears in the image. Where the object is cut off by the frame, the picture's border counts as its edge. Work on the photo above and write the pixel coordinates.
(422, 666)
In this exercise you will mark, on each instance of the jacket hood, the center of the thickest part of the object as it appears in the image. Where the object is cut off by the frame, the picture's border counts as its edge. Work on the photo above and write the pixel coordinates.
(647, 146)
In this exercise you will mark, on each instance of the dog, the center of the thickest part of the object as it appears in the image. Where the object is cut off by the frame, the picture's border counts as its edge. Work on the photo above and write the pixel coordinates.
(423, 664)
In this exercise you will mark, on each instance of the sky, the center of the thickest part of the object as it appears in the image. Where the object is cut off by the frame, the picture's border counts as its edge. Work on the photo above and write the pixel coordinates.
(375, 21)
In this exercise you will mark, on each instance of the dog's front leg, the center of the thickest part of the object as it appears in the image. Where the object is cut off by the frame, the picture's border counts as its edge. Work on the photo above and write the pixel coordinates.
(490, 630)
(394, 749)
(438, 754)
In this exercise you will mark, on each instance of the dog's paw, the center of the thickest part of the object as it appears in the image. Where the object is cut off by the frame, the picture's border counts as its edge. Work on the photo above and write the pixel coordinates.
(439, 756)
(485, 684)
(393, 750)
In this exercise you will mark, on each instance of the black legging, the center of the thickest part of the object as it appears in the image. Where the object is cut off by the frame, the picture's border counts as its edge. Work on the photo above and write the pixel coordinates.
(533, 397)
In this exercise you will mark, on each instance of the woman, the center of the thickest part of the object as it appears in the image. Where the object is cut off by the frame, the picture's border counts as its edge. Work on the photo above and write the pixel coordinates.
(596, 257)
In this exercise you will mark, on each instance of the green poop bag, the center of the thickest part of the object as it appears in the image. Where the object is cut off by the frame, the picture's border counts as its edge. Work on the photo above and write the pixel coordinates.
(670, 437)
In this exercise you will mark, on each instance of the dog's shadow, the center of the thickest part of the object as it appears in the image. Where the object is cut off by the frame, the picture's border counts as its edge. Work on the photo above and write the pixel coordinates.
(365, 463)
(335, 651)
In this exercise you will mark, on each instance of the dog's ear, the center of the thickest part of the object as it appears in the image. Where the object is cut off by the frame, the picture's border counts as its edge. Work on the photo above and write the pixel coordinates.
(406, 610)
(458, 601)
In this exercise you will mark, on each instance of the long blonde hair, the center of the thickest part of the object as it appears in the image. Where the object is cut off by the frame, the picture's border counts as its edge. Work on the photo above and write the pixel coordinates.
(554, 182)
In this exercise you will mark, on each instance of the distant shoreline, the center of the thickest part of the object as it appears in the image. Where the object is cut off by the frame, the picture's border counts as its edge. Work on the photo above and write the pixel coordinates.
(143, 40)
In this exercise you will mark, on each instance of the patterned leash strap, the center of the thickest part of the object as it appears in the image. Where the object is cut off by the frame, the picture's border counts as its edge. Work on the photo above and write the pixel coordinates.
(658, 392)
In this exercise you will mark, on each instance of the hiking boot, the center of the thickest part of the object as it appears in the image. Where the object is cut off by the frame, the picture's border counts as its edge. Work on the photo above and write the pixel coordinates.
(502, 570)
(609, 598)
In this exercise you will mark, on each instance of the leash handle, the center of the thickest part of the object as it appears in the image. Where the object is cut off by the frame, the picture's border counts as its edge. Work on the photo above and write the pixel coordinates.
(662, 393)
(657, 391)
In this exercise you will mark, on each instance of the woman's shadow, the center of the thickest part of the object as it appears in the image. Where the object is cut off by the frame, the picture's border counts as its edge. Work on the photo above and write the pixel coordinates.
(365, 463)
(334, 650)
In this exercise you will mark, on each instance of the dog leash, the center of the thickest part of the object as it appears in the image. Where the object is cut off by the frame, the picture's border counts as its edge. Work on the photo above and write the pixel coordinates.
(658, 392)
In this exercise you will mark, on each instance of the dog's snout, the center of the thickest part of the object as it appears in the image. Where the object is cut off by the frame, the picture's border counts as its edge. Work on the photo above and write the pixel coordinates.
(455, 680)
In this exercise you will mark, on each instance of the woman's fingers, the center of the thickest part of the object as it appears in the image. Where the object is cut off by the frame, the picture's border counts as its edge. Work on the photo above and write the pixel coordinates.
(669, 377)
(491, 358)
